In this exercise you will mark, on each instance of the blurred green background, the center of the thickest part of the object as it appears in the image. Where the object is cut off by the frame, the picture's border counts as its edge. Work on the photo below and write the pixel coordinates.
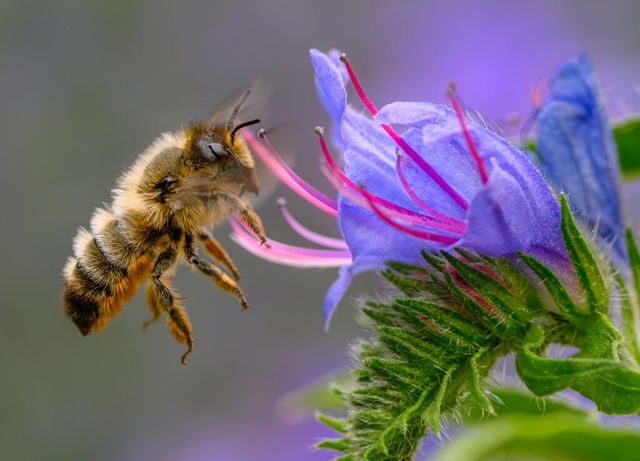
(86, 86)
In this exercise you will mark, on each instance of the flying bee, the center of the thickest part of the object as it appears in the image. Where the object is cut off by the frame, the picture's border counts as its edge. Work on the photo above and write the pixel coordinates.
(183, 184)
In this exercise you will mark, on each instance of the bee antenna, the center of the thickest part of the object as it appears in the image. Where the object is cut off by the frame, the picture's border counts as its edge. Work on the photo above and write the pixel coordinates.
(236, 109)
(242, 125)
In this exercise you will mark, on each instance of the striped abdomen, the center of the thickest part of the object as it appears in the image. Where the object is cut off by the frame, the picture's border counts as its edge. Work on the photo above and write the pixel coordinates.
(104, 273)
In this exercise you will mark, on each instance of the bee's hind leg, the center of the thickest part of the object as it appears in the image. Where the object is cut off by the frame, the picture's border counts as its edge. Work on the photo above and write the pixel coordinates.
(161, 299)
(221, 279)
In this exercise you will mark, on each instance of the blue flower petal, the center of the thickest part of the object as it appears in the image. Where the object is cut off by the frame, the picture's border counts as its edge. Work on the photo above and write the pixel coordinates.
(339, 287)
(578, 154)
(330, 84)
(502, 220)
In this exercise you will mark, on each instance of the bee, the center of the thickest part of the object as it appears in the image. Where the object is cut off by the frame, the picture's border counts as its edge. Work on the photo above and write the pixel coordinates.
(182, 185)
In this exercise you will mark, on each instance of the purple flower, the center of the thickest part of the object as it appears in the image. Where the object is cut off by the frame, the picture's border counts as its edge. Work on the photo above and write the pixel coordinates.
(444, 181)
(577, 151)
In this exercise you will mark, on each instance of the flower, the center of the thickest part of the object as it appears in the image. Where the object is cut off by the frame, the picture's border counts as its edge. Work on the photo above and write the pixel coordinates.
(445, 181)
(577, 150)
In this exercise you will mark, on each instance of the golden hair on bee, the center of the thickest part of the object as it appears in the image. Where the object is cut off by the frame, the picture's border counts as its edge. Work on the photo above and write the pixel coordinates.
(180, 187)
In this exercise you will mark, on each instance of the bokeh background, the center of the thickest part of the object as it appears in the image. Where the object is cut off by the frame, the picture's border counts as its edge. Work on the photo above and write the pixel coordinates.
(85, 86)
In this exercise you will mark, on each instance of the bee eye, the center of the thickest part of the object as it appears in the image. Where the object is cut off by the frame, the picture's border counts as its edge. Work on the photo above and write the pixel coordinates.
(167, 184)
(218, 150)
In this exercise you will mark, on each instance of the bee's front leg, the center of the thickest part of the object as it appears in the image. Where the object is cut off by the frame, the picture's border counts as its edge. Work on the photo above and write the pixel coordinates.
(213, 247)
(246, 213)
(221, 279)
(160, 299)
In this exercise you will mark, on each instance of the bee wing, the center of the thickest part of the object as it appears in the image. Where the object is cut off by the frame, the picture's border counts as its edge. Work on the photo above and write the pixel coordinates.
(247, 103)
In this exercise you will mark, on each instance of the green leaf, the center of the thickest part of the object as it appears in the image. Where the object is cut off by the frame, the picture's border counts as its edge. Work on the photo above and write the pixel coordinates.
(560, 436)
(631, 302)
(610, 384)
(507, 400)
(627, 138)
(319, 394)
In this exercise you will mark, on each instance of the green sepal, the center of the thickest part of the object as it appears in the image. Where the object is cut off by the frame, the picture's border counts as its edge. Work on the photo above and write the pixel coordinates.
(337, 424)
(512, 308)
(475, 381)
(334, 444)
(584, 262)
(431, 415)
(556, 289)
(491, 322)
(627, 139)
(452, 327)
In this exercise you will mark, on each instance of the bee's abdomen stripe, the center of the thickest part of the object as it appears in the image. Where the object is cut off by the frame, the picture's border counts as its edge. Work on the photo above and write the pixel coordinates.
(113, 245)
(89, 281)
(99, 267)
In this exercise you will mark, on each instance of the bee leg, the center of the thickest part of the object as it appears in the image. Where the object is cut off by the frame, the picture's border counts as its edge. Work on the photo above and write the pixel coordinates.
(218, 253)
(154, 307)
(254, 222)
(161, 299)
(246, 213)
(221, 279)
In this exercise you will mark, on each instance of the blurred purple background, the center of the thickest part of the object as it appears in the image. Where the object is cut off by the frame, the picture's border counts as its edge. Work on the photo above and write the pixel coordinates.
(86, 86)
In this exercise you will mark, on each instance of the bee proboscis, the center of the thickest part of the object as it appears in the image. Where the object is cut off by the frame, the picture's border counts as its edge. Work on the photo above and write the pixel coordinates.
(183, 184)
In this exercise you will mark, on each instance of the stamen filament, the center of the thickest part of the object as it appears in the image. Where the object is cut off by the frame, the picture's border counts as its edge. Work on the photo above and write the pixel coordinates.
(448, 240)
(288, 254)
(421, 203)
(473, 150)
(402, 143)
(308, 234)
(404, 213)
(279, 167)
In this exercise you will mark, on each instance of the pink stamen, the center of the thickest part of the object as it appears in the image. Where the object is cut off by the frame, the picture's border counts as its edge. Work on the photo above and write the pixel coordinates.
(278, 166)
(288, 254)
(444, 185)
(334, 168)
(397, 210)
(473, 150)
(421, 203)
(448, 240)
(536, 93)
(308, 234)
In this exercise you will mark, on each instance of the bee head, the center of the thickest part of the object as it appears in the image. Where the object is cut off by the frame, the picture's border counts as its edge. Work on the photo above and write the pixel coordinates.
(220, 154)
